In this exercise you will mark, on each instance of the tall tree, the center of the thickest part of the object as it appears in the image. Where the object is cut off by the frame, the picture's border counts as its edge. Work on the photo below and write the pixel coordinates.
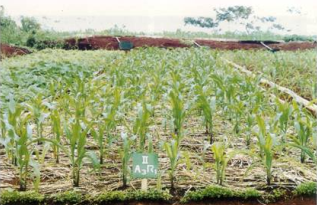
(239, 15)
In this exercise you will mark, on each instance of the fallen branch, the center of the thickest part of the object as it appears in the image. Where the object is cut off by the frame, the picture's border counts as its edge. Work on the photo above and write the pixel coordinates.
(308, 105)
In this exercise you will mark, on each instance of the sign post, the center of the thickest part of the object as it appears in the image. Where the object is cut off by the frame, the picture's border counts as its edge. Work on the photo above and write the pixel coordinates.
(145, 166)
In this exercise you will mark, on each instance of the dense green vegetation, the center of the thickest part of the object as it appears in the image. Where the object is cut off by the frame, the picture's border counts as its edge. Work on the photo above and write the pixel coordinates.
(92, 109)
(83, 87)
(295, 70)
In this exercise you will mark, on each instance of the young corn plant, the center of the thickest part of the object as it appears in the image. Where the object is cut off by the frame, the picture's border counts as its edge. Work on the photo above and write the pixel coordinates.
(283, 116)
(107, 123)
(221, 160)
(125, 156)
(98, 135)
(57, 132)
(76, 133)
(10, 123)
(38, 112)
(237, 109)
(141, 123)
(173, 153)
(266, 145)
(39, 162)
(208, 107)
(218, 150)
(250, 123)
(178, 113)
(23, 154)
(23, 149)
(303, 127)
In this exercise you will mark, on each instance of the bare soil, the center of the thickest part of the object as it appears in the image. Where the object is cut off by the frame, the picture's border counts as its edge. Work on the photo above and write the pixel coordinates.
(111, 43)
(9, 51)
(234, 45)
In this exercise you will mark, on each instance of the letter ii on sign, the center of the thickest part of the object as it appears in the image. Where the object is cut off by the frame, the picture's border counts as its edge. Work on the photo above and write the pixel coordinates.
(145, 159)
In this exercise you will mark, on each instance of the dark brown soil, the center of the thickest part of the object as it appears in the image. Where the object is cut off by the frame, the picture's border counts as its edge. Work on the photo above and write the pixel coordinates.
(296, 46)
(9, 51)
(234, 45)
(111, 43)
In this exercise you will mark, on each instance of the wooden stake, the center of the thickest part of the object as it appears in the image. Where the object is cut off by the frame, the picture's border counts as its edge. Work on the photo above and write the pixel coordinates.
(144, 185)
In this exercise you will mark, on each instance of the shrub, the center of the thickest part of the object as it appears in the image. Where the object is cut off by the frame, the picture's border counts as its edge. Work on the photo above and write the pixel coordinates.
(211, 192)
(153, 195)
(306, 189)
(68, 197)
(297, 38)
(15, 197)
(117, 196)
(249, 193)
(111, 197)
(274, 196)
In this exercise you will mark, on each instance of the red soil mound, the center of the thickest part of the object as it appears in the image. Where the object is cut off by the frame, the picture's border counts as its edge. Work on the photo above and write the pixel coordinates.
(233, 45)
(110, 43)
(296, 46)
(9, 51)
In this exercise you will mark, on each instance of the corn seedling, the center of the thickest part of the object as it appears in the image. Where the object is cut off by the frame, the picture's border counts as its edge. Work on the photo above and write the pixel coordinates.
(22, 148)
(36, 165)
(125, 156)
(57, 131)
(284, 112)
(303, 127)
(107, 123)
(10, 123)
(208, 107)
(178, 113)
(76, 133)
(141, 123)
(172, 151)
(250, 122)
(265, 142)
(38, 112)
(221, 160)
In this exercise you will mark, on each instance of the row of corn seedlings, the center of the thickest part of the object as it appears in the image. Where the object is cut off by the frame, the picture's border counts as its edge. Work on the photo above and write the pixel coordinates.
(149, 89)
